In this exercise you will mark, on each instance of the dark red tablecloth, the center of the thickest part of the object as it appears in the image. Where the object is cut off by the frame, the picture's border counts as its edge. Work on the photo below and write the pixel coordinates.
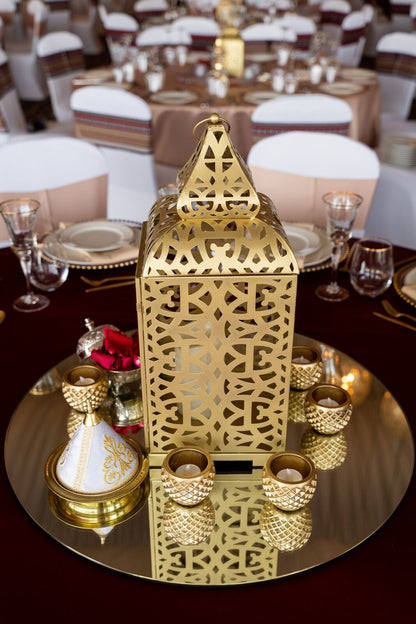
(43, 580)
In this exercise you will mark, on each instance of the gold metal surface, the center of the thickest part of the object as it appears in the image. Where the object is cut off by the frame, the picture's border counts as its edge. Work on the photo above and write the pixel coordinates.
(296, 412)
(234, 548)
(189, 525)
(285, 495)
(324, 419)
(326, 451)
(286, 531)
(380, 446)
(188, 490)
(216, 292)
(305, 375)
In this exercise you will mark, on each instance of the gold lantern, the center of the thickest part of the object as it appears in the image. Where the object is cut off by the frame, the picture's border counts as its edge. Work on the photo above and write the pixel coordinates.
(229, 15)
(216, 287)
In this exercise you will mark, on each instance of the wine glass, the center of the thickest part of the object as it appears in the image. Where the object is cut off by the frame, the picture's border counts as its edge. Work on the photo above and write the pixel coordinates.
(20, 218)
(372, 266)
(341, 209)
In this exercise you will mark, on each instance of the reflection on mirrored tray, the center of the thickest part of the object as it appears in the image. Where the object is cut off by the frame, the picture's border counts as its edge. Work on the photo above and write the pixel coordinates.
(235, 536)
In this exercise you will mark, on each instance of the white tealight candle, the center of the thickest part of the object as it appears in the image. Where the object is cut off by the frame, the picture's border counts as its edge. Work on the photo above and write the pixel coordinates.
(328, 402)
(290, 475)
(187, 470)
(84, 381)
(301, 359)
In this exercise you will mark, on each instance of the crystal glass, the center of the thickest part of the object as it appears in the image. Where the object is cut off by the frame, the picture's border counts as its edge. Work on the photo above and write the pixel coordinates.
(372, 268)
(49, 264)
(20, 218)
(341, 209)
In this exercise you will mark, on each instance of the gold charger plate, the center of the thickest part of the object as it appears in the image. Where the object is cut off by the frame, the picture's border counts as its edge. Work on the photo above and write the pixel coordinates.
(399, 281)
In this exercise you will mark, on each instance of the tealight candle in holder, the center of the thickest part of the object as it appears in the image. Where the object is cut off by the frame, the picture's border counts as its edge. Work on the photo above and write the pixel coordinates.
(188, 475)
(289, 480)
(306, 368)
(328, 408)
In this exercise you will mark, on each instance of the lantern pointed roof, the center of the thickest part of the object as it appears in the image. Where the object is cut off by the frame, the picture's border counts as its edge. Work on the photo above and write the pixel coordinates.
(215, 183)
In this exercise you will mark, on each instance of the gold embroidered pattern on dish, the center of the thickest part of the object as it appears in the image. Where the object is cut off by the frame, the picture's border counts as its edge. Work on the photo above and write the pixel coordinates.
(118, 462)
(85, 450)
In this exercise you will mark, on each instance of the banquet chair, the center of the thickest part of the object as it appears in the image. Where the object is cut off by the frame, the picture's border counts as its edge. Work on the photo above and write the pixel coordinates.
(84, 22)
(59, 16)
(302, 111)
(262, 36)
(331, 16)
(62, 57)
(303, 27)
(295, 169)
(203, 30)
(163, 36)
(12, 117)
(396, 67)
(67, 176)
(400, 15)
(351, 45)
(145, 10)
(120, 124)
(120, 30)
(20, 46)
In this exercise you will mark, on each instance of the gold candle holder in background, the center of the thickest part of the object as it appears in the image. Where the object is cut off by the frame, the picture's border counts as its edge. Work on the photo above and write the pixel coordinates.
(188, 475)
(328, 408)
(306, 367)
(296, 413)
(286, 531)
(189, 525)
(326, 452)
(289, 480)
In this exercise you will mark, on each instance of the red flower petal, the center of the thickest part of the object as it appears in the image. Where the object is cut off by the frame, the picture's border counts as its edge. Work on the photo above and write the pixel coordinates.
(105, 360)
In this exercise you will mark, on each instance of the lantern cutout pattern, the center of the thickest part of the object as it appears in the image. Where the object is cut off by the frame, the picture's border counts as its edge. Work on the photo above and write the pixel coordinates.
(216, 292)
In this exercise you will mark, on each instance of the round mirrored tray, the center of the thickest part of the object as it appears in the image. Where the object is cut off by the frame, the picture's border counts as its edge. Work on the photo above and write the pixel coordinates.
(239, 538)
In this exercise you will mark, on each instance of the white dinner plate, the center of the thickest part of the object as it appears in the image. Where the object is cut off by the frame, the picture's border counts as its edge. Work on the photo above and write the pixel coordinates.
(341, 88)
(257, 97)
(405, 283)
(302, 241)
(174, 97)
(93, 76)
(321, 254)
(260, 57)
(96, 235)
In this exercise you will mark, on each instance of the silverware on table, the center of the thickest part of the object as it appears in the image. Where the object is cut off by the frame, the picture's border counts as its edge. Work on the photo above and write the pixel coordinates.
(391, 311)
(107, 286)
(100, 282)
(395, 321)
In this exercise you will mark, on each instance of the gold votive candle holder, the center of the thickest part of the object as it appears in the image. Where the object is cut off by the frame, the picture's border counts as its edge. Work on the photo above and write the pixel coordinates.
(189, 525)
(284, 530)
(188, 475)
(328, 408)
(306, 367)
(289, 480)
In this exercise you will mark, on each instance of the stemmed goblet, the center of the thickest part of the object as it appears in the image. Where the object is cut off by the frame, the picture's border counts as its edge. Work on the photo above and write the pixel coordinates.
(20, 218)
(341, 209)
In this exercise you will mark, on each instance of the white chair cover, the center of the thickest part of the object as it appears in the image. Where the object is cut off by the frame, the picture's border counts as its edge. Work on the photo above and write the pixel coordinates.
(85, 23)
(263, 35)
(296, 168)
(12, 119)
(146, 9)
(303, 27)
(353, 38)
(120, 33)
(332, 13)
(400, 15)
(62, 57)
(120, 123)
(203, 30)
(163, 36)
(312, 112)
(59, 15)
(396, 66)
(69, 177)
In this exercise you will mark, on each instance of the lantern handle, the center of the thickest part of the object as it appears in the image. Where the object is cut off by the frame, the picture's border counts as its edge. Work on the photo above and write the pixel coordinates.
(213, 119)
